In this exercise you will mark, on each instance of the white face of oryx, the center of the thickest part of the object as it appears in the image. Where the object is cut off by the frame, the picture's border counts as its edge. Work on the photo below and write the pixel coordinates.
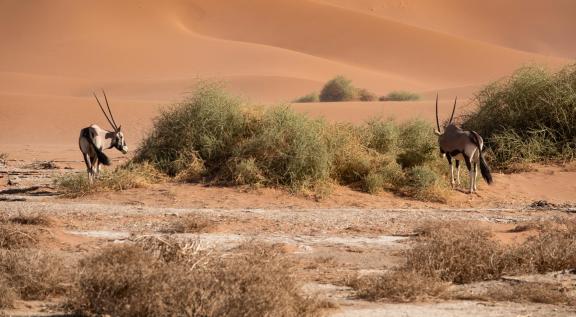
(120, 142)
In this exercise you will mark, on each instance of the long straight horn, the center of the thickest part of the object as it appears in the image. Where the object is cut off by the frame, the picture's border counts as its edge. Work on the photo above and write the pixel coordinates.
(110, 112)
(437, 122)
(104, 112)
(453, 109)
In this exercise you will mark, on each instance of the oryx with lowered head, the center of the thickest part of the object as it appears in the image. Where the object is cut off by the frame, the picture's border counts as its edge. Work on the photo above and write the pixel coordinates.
(93, 140)
(462, 145)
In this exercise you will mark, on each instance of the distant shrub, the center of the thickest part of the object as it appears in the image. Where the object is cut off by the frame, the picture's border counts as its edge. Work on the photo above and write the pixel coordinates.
(365, 95)
(528, 117)
(338, 89)
(311, 97)
(400, 96)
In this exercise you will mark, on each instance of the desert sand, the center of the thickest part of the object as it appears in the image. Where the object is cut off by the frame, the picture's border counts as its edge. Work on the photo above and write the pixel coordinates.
(148, 53)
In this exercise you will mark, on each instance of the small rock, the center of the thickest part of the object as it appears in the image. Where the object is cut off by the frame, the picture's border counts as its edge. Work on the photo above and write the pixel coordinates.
(14, 180)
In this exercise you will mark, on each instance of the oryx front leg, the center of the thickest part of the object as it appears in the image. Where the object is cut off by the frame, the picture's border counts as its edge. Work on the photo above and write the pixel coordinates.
(451, 170)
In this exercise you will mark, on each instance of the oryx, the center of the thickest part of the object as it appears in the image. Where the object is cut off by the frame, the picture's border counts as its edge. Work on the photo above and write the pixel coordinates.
(462, 145)
(94, 139)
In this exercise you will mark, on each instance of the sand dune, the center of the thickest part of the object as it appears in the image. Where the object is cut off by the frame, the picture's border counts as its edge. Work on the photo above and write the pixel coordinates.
(543, 27)
(435, 58)
(149, 53)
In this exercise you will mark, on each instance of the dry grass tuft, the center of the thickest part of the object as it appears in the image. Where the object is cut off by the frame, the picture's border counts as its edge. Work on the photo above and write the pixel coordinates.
(7, 293)
(128, 280)
(457, 252)
(32, 219)
(397, 286)
(553, 249)
(33, 274)
(543, 293)
(189, 223)
(131, 175)
(15, 236)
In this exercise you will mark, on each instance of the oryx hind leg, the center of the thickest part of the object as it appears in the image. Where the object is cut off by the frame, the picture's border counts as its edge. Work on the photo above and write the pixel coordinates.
(475, 176)
(458, 172)
(88, 162)
(469, 166)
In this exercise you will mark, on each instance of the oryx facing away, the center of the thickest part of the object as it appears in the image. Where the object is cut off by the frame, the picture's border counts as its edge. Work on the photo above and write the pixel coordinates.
(462, 145)
(94, 139)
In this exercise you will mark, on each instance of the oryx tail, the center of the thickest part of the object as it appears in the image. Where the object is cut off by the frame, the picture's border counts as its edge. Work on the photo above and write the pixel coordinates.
(99, 153)
(484, 169)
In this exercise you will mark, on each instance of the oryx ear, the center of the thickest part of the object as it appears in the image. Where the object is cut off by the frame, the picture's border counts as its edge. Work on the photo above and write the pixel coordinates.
(437, 133)
(119, 128)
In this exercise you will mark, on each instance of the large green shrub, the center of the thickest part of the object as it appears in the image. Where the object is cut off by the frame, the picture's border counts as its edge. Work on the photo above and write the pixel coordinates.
(529, 116)
(213, 137)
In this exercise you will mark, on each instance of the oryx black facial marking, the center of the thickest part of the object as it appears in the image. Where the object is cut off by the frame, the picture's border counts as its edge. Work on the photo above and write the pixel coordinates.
(94, 139)
(462, 145)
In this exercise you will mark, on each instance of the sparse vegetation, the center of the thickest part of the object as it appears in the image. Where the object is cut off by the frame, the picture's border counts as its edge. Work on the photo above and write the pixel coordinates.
(311, 97)
(397, 286)
(123, 177)
(528, 117)
(400, 96)
(3, 158)
(189, 223)
(337, 89)
(128, 280)
(522, 292)
(33, 274)
(457, 253)
(16, 236)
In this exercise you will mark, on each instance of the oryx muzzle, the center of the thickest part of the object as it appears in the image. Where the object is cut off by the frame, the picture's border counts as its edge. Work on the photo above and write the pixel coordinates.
(93, 140)
(462, 145)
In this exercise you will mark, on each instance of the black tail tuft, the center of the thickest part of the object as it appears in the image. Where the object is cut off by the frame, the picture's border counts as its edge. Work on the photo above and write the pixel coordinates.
(485, 170)
(104, 159)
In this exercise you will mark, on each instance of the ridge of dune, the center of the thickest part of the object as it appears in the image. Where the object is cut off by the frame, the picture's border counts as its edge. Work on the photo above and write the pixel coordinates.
(153, 46)
(541, 27)
(364, 40)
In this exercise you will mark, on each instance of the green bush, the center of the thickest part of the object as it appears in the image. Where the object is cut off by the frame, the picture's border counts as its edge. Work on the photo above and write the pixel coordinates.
(400, 96)
(290, 148)
(311, 97)
(383, 136)
(207, 125)
(528, 117)
(338, 89)
(213, 137)
(417, 145)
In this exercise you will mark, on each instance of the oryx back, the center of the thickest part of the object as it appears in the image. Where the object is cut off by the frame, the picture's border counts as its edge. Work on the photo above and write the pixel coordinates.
(90, 142)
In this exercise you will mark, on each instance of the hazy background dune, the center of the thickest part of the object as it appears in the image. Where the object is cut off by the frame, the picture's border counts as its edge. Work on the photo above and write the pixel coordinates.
(149, 53)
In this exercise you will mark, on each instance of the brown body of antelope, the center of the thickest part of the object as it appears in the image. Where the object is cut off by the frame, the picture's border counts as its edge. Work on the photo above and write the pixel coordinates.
(93, 140)
(461, 145)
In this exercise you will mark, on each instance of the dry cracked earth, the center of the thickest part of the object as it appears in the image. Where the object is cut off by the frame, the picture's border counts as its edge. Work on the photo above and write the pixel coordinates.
(329, 244)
